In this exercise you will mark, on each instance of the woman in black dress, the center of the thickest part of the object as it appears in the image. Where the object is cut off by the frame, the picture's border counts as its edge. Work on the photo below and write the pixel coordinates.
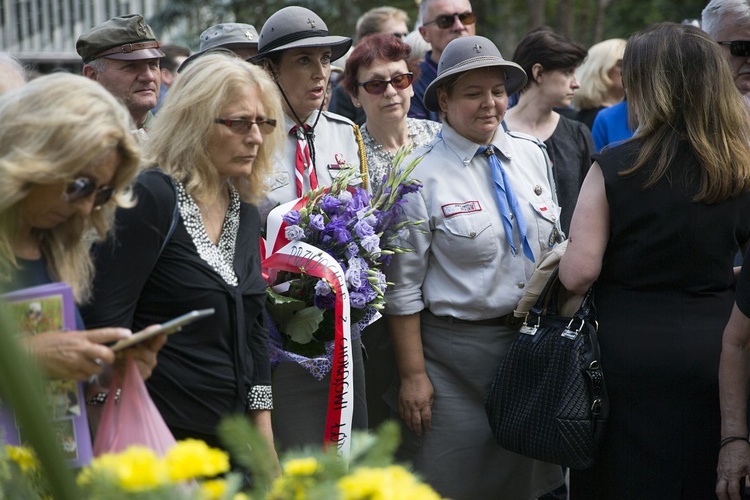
(658, 222)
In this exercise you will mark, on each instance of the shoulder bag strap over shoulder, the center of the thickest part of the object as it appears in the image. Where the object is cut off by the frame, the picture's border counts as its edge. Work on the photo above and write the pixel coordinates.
(550, 174)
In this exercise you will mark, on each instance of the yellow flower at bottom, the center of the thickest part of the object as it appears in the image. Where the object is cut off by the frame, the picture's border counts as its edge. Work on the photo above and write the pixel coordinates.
(301, 467)
(213, 489)
(23, 457)
(135, 469)
(193, 458)
(387, 483)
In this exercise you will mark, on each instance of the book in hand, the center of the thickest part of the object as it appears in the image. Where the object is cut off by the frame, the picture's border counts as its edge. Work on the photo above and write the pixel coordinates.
(39, 309)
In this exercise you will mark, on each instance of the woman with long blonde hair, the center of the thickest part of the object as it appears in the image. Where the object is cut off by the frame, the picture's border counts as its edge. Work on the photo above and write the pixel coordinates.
(192, 242)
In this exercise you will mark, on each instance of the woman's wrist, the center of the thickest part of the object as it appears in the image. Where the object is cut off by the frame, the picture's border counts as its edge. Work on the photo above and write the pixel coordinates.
(731, 439)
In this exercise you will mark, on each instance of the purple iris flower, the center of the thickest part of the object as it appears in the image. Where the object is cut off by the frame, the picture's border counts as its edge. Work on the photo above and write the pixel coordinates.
(371, 244)
(362, 229)
(291, 217)
(330, 204)
(294, 233)
(317, 222)
(357, 300)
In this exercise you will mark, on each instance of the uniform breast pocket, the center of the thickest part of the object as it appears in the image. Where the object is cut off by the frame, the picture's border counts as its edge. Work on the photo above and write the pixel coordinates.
(470, 237)
(547, 214)
(278, 180)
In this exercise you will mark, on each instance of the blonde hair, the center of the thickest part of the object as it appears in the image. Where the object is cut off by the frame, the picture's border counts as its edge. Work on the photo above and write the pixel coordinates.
(52, 129)
(593, 73)
(682, 87)
(178, 140)
(373, 20)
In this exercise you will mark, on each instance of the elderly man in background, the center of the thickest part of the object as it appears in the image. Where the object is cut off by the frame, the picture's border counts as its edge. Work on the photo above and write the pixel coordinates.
(14, 74)
(442, 21)
(122, 54)
(728, 22)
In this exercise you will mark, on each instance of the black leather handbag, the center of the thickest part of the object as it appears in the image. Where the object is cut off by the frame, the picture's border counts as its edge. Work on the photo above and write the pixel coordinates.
(548, 400)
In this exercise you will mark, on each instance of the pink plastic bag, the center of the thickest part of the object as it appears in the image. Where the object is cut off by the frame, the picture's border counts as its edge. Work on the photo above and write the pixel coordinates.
(132, 418)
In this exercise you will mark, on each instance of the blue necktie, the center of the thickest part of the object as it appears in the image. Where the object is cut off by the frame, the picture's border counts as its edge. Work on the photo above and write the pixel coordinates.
(508, 203)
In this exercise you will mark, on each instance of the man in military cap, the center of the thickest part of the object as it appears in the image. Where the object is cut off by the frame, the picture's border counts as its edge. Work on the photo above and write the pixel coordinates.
(123, 55)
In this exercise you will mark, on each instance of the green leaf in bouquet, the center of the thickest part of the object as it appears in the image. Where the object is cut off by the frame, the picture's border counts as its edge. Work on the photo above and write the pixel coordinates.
(282, 308)
(301, 327)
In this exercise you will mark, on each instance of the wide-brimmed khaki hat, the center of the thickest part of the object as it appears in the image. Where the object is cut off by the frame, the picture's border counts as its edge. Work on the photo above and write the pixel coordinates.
(226, 36)
(124, 37)
(297, 27)
(472, 52)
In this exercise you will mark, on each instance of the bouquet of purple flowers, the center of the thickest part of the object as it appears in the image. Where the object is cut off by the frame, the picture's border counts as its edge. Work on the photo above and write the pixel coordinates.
(360, 231)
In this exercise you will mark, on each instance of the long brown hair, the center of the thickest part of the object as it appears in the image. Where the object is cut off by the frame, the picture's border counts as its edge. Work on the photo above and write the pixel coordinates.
(680, 88)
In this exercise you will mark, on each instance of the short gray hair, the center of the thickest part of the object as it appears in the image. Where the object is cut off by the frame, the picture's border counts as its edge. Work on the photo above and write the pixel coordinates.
(718, 12)
(13, 64)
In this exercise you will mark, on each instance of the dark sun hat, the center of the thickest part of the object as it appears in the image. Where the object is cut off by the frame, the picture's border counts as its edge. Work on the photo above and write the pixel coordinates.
(297, 27)
(467, 53)
(127, 38)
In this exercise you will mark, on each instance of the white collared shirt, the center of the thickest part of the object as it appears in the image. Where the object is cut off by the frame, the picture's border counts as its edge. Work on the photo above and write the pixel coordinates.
(462, 265)
(335, 144)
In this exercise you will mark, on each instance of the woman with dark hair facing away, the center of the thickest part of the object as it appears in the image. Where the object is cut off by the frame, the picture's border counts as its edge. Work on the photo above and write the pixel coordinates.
(659, 220)
(550, 59)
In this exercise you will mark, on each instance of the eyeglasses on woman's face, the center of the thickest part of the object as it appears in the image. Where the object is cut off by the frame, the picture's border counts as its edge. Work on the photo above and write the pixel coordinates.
(445, 21)
(83, 187)
(243, 125)
(377, 87)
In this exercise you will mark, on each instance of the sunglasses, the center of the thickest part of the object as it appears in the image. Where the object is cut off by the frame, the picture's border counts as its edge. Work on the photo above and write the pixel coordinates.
(445, 21)
(243, 125)
(377, 87)
(738, 48)
(83, 187)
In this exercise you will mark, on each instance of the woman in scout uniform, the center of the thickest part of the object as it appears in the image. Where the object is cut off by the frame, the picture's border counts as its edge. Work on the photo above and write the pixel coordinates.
(450, 311)
(297, 50)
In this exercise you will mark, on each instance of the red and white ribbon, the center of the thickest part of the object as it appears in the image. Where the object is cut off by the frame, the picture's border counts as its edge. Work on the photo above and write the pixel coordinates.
(294, 257)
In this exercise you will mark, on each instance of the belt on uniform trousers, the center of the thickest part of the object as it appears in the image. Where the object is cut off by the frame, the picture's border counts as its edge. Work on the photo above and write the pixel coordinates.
(509, 321)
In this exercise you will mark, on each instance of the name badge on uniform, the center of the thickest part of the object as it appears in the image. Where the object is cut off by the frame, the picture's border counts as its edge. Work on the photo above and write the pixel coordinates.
(464, 207)
(279, 179)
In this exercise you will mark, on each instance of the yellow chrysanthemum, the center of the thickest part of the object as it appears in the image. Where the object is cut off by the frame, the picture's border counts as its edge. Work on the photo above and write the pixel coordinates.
(301, 467)
(387, 483)
(135, 469)
(291, 488)
(193, 458)
(213, 489)
(23, 457)
(240, 496)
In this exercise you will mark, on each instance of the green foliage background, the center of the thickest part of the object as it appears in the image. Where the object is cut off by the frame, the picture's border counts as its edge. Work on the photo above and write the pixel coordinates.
(504, 21)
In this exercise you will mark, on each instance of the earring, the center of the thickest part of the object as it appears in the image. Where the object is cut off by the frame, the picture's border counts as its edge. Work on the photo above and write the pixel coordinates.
(357, 104)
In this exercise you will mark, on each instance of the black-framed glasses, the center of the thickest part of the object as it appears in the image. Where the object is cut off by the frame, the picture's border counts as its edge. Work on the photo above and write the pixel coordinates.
(243, 125)
(83, 187)
(445, 21)
(377, 87)
(738, 48)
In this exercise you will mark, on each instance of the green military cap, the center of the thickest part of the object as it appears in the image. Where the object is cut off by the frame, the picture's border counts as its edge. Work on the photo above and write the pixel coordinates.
(125, 37)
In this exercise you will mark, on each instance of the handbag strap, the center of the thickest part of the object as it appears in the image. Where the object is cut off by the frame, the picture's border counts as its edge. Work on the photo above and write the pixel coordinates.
(546, 303)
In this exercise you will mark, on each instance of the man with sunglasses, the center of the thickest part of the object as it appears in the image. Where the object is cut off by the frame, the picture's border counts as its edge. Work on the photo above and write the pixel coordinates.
(122, 54)
(728, 21)
(442, 22)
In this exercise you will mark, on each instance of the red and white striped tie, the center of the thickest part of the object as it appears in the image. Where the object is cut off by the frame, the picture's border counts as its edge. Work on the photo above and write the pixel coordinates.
(302, 160)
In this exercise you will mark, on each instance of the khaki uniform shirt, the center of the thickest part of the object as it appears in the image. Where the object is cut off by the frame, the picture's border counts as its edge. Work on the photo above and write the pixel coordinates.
(335, 144)
(461, 265)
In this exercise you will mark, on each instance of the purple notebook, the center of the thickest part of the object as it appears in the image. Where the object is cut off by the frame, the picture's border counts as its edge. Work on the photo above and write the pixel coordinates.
(40, 309)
